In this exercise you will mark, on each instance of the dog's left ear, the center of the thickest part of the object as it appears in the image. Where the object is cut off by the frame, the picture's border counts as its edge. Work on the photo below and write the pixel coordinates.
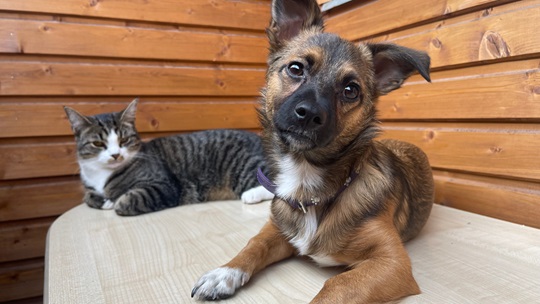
(393, 64)
(289, 18)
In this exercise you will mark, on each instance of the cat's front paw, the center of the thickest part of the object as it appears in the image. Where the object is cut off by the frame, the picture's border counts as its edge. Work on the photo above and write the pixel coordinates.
(107, 205)
(220, 283)
(125, 206)
(256, 195)
(93, 199)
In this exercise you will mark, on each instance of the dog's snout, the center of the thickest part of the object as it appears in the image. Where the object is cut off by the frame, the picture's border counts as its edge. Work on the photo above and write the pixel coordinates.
(309, 115)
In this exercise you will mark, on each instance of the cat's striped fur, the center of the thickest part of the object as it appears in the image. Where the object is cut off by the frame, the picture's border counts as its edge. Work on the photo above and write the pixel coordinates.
(120, 171)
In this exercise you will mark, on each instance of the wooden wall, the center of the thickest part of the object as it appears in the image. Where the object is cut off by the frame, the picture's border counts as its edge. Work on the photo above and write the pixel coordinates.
(199, 64)
(479, 119)
(196, 64)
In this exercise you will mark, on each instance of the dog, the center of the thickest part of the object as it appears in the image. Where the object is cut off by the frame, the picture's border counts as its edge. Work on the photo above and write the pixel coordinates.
(341, 197)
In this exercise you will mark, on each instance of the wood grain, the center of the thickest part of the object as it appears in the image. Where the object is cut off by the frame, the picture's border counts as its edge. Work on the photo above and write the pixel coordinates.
(459, 257)
(23, 239)
(46, 117)
(34, 78)
(38, 160)
(513, 201)
(508, 150)
(245, 14)
(39, 198)
(22, 279)
(503, 91)
(21, 159)
(503, 32)
(373, 17)
(61, 38)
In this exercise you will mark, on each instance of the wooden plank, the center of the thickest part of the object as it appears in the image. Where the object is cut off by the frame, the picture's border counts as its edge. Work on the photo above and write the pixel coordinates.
(34, 78)
(244, 14)
(60, 38)
(43, 157)
(47, 118)
(509, 150)
(505, 31)
(375, 17)
(22, 279)
(517, 202)
(23, 239)
(38, 198)
(503, 91)
(38, 160)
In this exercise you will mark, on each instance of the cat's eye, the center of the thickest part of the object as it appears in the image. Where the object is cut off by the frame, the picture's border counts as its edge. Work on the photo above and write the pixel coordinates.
(351, 92)
(295, 69)
(98, 144)
(123, 141)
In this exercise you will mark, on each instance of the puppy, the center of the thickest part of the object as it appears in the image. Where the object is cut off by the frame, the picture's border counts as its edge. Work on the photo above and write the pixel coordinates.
(342, 198)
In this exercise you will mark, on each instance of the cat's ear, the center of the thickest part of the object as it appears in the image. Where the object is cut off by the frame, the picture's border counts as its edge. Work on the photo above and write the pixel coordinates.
(128, 115)
(77, 120)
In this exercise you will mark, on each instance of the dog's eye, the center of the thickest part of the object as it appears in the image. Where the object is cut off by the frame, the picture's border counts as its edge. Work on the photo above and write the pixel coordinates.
(351, 91)
(296, 69)
(98, 144)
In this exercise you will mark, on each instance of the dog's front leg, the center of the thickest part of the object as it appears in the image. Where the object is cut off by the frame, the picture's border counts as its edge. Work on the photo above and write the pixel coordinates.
(381, 273)
(265, 248)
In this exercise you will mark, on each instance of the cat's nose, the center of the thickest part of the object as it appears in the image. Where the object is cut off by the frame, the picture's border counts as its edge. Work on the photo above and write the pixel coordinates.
(115, 156)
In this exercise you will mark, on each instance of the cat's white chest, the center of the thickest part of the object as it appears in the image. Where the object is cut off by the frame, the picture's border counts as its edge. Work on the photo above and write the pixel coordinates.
(94, 176)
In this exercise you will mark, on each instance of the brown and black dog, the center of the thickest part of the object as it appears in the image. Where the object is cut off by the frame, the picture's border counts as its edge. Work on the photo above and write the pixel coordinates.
(342, 198)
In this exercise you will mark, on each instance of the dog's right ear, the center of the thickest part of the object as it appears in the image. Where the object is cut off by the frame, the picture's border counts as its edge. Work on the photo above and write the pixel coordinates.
(289, 18)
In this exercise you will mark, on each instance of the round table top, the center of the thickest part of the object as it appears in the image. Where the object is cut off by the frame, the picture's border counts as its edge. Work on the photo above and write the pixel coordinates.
(95, 256)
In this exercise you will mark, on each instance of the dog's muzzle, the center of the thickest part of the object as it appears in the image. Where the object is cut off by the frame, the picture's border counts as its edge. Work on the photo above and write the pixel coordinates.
(305, 122)
(309, 116)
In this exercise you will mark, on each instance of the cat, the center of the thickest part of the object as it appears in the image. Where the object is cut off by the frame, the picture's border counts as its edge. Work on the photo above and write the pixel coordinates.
(120, 171)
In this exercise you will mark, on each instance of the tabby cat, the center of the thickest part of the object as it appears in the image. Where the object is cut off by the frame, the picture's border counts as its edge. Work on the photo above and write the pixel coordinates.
(122, 172)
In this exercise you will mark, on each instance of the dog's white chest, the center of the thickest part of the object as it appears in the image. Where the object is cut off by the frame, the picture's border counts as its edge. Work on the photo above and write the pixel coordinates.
(297, 176)
(304, 237)
(301, 176)
(325, 261)
(306, 232)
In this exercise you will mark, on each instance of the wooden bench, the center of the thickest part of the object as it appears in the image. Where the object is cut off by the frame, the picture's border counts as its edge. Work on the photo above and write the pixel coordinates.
(96, 256)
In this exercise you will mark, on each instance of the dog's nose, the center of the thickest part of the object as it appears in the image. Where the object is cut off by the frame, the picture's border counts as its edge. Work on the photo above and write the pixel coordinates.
(309, 115)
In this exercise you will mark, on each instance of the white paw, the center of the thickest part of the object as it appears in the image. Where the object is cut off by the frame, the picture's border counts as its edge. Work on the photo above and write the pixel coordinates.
(107, 205)
(256, 195)
(219, 283)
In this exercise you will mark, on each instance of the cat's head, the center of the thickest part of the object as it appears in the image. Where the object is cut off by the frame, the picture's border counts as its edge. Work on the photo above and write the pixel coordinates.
(105, 140)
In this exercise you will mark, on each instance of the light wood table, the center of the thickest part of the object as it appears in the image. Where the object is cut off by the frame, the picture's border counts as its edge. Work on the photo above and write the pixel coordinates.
(95, 256)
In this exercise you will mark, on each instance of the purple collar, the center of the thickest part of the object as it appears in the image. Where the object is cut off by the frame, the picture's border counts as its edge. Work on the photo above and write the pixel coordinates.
(270, 186)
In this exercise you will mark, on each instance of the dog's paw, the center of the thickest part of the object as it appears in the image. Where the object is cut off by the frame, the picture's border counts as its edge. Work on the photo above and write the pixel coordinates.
(219, 283)
(256, 195)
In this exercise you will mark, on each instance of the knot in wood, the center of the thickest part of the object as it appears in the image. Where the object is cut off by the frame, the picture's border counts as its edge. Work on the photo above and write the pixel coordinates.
(493, 46)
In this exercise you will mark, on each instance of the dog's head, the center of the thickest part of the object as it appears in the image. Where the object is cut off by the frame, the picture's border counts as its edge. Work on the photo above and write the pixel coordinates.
(321, 89)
